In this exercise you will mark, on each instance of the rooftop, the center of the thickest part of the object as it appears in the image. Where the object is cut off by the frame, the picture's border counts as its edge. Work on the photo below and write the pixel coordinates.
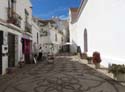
(74, 14)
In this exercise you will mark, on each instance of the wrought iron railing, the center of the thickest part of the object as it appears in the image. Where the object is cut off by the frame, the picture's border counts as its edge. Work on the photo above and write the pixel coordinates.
(13, 17)
(28, 27)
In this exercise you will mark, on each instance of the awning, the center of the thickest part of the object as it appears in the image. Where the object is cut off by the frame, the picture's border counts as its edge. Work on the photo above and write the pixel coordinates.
(25, 36)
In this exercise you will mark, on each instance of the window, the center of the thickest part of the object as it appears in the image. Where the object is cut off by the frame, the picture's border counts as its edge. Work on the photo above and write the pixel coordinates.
(26, 15)
(62, 39)
(11, 7)
(37, 38)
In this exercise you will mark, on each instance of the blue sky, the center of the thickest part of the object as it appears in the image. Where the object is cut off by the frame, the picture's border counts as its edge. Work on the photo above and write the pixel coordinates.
(47, 8)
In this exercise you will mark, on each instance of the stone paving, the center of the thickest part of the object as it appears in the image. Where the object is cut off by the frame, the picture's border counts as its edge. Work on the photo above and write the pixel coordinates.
(65, 75)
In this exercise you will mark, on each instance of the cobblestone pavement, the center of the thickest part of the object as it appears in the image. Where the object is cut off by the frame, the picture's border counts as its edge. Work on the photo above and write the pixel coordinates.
(65, 75)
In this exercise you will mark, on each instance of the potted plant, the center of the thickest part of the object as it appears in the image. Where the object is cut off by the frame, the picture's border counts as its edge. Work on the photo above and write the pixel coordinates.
(89, 58)
(118, 71)
(96, 59)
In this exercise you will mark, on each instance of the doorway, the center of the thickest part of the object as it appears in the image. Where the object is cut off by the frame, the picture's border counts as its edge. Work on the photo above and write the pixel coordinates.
(85, 40)
(11, 50)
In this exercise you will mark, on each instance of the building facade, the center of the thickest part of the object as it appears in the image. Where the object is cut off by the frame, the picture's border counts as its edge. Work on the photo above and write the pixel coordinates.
(102, 22)
(63, 27)
(15, 31)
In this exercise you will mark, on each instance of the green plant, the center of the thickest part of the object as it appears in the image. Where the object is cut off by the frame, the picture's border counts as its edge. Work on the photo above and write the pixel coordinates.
(116, 69)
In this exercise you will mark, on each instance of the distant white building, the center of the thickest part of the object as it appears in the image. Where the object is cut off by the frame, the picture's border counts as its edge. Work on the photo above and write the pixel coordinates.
(63, 27)
(100, 27)
(51, 38)
(15, 32)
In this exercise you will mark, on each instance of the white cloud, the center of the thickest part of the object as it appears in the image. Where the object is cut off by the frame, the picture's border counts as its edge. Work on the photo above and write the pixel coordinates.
(63, 17)
(51, 13)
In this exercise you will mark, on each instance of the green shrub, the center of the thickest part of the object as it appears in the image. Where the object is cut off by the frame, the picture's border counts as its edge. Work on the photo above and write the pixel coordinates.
(115, 69)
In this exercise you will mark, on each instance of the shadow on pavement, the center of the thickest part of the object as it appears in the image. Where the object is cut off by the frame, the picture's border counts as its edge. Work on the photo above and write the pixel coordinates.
(67, 74)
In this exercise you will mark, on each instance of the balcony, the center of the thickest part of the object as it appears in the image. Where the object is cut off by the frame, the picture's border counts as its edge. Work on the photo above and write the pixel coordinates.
(28, 27)
(13, 17)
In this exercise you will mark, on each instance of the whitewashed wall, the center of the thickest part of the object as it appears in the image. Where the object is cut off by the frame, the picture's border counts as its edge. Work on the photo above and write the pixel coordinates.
(73, 32)
(73, 37)
(105, 24)
(21, 5)
(59, 38)
(50, 38)
(43, 40)
(57, 43)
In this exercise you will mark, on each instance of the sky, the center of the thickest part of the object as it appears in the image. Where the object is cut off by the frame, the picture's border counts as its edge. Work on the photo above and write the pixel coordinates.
(45, 9)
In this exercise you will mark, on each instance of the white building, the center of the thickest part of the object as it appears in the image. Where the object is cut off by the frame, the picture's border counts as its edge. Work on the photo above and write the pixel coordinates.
(73, 12)
(63, 27)
(35, 37)
(15, 32)
(51, 38)
(102, 21)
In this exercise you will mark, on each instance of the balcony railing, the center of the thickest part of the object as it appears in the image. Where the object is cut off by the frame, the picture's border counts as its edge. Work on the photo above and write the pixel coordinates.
(13, 17)
(28, 27)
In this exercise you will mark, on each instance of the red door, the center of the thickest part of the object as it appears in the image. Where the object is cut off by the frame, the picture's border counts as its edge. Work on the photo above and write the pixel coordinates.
(27, 50)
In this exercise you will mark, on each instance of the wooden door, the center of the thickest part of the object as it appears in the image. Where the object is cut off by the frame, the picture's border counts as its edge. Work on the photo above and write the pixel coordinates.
(11, 50)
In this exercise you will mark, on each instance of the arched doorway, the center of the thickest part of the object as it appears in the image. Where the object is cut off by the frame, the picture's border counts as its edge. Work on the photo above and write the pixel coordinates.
(85, 41)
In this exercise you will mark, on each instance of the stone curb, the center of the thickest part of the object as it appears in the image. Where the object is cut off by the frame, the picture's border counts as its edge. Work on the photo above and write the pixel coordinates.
(103, 69)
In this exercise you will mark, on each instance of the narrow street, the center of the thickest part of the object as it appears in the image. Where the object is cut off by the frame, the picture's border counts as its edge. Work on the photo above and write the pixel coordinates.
(65, 75)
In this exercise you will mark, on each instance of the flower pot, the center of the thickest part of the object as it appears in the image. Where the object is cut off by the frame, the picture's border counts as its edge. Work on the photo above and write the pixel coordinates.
(120, 76)
(97, 65)
(89, 59)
